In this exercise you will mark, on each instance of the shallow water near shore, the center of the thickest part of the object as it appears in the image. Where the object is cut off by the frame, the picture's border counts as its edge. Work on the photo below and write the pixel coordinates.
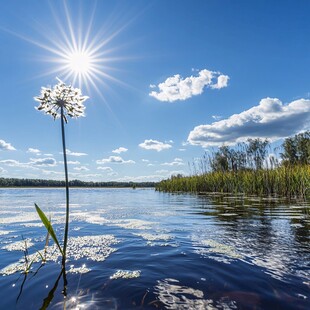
(145, 249)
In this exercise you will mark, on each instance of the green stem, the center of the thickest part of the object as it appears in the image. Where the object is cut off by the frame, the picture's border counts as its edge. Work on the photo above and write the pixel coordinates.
(67, 187)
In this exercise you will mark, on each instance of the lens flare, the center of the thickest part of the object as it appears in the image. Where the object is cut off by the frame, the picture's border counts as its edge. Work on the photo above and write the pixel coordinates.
(78, 53)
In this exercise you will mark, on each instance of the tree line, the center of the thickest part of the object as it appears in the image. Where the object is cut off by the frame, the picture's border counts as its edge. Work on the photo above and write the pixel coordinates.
(256, 154)
(15, 182)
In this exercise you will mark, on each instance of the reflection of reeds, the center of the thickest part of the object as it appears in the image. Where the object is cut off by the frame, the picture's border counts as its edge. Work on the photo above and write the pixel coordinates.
(286, 181)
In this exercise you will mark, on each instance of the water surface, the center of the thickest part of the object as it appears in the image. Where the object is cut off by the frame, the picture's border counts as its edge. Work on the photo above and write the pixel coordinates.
(144, 249)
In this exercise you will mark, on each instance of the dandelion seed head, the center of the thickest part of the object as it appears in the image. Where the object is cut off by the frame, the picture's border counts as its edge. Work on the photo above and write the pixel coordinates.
(61, 97)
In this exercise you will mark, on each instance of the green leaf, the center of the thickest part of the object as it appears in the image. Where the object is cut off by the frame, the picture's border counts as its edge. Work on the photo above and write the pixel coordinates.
(48, 226)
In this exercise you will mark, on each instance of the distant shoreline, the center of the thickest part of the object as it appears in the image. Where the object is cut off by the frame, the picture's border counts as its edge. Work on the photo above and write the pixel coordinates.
(41, 183)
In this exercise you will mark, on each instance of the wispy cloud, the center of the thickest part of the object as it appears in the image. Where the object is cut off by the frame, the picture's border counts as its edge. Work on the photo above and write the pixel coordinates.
(14, 163)
(50, 172)
(142, 178)
(120, 150)
(82, 168)
(108, 169)
(216, 117)
(75, 153)
(114, 159)
(34, 151)
(71, 162)
(177, 88)
(155, 145)
(2, 170)
(175, 162)
(5, 146)
(270, 119)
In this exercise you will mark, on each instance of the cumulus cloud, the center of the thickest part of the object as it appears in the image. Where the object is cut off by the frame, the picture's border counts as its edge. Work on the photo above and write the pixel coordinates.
(175, 162)
(114, 159)
(5, 146)
(75, 153)
(155, 145)
(270, 119)
(177, 88)
(34, 151)
(120, 150)
(49, 161)
(2, 170)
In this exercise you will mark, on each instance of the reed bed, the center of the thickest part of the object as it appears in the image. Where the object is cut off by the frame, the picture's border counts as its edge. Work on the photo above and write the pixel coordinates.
(289, 181)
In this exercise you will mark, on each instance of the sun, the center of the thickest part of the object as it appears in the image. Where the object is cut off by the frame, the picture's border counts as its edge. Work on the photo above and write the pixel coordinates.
(78, 53)
(79, 62)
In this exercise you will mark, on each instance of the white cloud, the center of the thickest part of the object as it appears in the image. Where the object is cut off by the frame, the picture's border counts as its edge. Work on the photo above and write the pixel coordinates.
(49, 172)
(142, 178)
(222, 81)
(49, 161)
(75, 153)
(82, 168)
(14, 163)
(145, 160)
(162, 171)
(175, 162)
(216, 117)
(154, 145)
(2, 170)
(120, 150)
(114, 159)
(270, 119)
(34, 151)
(5, 146)
(109, 169)
(177, 88)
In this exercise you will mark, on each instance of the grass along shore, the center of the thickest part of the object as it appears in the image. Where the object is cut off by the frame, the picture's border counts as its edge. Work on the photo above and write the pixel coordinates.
(288, 181)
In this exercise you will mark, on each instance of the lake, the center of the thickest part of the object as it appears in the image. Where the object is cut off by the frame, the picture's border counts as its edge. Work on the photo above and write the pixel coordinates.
(144, 249)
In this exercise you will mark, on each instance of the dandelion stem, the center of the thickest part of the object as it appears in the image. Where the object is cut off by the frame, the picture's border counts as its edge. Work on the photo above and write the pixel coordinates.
(67, 186)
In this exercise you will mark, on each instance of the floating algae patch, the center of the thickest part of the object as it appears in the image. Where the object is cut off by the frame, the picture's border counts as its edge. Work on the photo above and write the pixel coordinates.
(91, 217)
(134, 224)
(19, 218)
(155, 237)
(13, 268)
(22, 245)
(94, 248)
(125, 274)
(173, 295)
(4, 232)
(209, 247)
(79, 270)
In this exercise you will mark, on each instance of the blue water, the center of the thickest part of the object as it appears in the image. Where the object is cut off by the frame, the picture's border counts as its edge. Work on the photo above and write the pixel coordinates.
(140, 248)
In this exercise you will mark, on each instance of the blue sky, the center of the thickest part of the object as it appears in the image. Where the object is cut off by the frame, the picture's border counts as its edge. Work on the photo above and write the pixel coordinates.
(169, 81)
